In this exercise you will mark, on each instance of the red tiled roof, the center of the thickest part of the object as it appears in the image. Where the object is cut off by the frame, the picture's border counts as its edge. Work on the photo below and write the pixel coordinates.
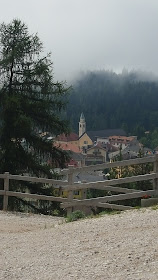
(67, 138)
(68, 147)
(72, 162)
(122, 139)
(98, 145)
(111, 148)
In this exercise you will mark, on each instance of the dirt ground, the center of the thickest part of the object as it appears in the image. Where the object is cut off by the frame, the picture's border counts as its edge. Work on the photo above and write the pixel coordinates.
(113, 247)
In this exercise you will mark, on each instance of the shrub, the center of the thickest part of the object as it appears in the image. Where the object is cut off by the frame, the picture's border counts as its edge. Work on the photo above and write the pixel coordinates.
(74, 216)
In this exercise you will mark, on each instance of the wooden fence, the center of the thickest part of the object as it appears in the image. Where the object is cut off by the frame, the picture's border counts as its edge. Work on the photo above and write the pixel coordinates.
(71, 204)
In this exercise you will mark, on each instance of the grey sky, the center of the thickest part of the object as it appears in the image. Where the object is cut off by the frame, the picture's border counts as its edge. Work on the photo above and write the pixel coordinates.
(91, 34)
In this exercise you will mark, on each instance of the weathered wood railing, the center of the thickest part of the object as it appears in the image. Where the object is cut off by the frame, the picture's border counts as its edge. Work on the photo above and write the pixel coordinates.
(109, 185)
(6, 192)
(70, 203)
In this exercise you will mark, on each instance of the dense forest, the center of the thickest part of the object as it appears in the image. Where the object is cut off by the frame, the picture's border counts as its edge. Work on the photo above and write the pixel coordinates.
(110, 100)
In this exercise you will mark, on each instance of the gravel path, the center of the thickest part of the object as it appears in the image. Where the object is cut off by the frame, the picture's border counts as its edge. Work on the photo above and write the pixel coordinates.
(113, 247)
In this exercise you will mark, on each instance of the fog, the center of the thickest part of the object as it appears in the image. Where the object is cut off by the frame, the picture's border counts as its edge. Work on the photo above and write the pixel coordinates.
(92, 34)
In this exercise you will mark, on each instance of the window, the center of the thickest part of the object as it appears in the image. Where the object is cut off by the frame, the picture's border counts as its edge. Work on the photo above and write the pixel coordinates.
(85, 142)
(76, 192)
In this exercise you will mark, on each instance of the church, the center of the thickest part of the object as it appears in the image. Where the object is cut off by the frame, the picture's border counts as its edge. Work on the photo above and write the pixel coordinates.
(89, 138)
(86, 139)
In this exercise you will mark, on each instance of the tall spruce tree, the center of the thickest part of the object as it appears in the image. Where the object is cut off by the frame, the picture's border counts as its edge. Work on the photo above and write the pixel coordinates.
(30, 102)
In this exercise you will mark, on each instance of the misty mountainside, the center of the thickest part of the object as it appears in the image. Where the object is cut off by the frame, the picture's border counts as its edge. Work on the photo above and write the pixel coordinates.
(110, 100)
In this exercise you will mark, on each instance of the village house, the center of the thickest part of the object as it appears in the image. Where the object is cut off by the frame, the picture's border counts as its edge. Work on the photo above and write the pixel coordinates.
(121, 141)
(95, 155)
(71, 138)
(77, 159)
(103, 135)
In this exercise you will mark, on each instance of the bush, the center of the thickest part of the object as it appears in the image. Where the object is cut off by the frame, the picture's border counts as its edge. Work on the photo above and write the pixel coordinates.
(74, 216)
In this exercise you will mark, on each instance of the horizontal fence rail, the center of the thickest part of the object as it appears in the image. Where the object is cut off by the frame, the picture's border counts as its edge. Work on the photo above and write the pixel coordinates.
(69, 186)
(95, 201)
(101, 184)
(36, 196)
(115, 164)
(37, 180)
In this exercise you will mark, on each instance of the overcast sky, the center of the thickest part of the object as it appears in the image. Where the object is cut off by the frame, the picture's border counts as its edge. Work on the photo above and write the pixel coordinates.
(91, 34)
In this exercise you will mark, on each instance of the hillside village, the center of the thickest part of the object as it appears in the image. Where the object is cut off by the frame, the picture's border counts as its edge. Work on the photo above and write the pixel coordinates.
(96, 147)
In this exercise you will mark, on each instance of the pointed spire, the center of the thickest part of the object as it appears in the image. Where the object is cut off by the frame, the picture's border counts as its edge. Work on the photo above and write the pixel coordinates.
(82, 117)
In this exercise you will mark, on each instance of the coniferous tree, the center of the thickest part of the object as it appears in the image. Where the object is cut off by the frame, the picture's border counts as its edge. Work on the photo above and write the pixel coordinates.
(30, 101)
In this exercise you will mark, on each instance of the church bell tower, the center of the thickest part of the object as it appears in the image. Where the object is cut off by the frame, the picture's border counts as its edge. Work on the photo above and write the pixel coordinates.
(82, 125)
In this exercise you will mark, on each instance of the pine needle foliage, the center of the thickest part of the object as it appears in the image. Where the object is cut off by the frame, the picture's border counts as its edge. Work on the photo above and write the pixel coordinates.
(30, 101)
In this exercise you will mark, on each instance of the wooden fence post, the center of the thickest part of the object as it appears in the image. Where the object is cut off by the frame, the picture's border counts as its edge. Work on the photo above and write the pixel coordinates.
(84, 194)
(155, 181)
(83, 191)
(6, 188)
(70, 193)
